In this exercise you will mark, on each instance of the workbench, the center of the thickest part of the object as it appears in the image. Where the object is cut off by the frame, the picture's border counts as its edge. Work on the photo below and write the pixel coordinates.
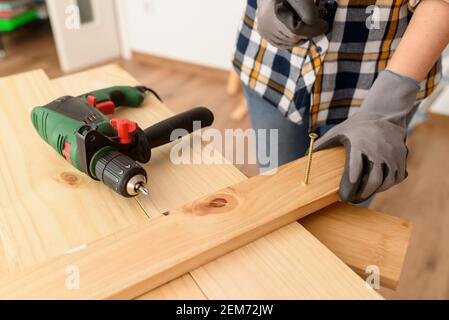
(48, 210)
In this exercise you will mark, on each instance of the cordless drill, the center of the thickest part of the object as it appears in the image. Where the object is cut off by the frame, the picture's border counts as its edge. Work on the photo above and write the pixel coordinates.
(106, 149)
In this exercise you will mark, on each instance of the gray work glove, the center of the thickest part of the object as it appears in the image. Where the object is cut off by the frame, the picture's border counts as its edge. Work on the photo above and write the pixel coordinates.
(374, 138)
(289, 23)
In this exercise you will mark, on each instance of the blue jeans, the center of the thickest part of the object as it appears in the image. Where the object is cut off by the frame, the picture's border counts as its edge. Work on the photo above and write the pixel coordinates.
(293, 138)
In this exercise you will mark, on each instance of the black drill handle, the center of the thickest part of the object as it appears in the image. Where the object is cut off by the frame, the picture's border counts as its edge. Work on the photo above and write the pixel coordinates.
(160, 133)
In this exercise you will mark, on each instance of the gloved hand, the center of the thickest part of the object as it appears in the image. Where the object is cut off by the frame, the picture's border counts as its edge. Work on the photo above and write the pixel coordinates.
(374, 138)
(289, 23)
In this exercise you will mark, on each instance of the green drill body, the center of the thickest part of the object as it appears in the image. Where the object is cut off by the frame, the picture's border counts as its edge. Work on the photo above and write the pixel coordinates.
(109, 150)
(120, 95)
(59, 122)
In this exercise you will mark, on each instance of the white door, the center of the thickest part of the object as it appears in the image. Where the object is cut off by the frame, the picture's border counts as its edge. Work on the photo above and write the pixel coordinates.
(86, 32)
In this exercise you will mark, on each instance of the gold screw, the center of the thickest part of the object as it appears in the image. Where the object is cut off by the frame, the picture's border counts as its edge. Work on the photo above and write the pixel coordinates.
(313, 137)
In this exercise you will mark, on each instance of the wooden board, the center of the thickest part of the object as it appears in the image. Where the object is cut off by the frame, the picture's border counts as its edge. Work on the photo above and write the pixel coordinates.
(220, 281)
(382, 241)
(359, 237)
(143, 257)
(46, 206)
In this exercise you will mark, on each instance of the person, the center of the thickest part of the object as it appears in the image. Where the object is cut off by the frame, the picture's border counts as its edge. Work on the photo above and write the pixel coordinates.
(355, 78)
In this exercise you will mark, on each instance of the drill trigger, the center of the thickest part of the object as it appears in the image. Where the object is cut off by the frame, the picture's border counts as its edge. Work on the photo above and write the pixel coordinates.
(106, 107)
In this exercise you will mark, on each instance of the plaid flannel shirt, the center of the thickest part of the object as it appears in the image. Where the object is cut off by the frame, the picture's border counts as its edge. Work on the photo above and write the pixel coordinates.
(332, 74)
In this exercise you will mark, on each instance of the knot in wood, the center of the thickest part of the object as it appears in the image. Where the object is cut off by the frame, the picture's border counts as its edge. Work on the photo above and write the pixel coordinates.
(218, 203)
(70, 178)
(215, 204)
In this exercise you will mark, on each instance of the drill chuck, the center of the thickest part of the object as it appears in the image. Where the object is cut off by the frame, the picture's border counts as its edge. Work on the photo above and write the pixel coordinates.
(122, 174)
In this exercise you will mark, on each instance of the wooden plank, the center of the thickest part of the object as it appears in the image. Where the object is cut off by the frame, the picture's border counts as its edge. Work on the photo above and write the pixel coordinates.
(298, 281)
(338, 227)
(382, 241)
(195, 234)
(359, 237)
(46, 206)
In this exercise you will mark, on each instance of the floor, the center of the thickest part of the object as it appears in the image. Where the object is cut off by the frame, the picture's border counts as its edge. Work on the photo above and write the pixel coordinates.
(423, 198)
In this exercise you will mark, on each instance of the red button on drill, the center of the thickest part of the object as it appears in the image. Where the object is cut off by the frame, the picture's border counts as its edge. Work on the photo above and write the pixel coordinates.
(124, 128)
(105, 107)
(66, 152)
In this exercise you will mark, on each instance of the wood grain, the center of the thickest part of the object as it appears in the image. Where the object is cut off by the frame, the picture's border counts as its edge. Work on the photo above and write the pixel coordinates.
(197, 233)
(382, 241)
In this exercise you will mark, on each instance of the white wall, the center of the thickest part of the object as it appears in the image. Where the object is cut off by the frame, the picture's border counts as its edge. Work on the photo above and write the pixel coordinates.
(198, 31)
